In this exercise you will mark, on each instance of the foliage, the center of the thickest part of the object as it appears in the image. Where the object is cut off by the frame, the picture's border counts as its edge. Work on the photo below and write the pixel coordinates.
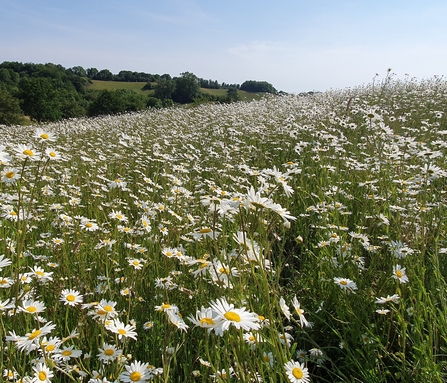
(10, 112)
(257, 86)
(186, 89)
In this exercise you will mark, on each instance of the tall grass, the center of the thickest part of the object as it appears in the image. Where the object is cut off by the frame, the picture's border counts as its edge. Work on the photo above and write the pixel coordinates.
(287, 239)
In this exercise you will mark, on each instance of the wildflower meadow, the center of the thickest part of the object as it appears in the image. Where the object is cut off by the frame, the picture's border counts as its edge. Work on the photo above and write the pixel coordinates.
(292, 239)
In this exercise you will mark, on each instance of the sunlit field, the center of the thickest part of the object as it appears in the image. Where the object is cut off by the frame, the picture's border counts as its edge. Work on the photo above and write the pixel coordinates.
(291, 239)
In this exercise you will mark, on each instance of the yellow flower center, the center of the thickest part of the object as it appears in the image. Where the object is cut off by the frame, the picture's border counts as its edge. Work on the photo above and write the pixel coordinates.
(108, 352)
(165, 306)
(88, 224)
(44, 136)
(28, 152)
(66, 353)
(224, 270)
(343, 282)
(40, 273)
(297, 373)
(399, 273)
(135, 376)
(52, 154)
(232, 316)
(70, 298)
(266, 358)
(9, 174)
(121, 331)
(42, 375)
(208, 321)
(108, 308)
(31, 309)
(50, 348)
(205, 230)
(34, 334)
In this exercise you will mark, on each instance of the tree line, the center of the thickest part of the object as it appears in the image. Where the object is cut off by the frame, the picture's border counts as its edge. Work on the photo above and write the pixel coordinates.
(50, 92)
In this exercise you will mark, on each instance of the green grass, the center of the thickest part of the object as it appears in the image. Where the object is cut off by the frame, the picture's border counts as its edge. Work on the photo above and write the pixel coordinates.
(245, 96)
(114, 85)
(137, 87)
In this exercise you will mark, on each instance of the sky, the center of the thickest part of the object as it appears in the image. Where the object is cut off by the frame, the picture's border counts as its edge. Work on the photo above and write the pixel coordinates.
(296, 45)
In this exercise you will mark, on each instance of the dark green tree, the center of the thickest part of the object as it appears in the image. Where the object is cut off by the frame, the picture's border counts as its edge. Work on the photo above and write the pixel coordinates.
(187, 88)
(233, 95)
(165, 88)
(10, 112)
(257, 86)
(40, 100)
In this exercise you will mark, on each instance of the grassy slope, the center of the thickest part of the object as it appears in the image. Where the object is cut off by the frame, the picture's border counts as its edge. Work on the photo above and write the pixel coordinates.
(138, 86)
(114, 85)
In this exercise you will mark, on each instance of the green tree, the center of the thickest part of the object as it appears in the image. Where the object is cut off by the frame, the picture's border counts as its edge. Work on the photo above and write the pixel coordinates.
(40, 100)
(165, 88)
(10, 112)
(187, 88)
(233, 95)
(257, 86)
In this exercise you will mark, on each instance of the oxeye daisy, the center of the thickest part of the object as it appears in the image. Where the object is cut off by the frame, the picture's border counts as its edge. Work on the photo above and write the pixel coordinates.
(42, 374)
(27, 152)
(52, 154)
(4, 262)
(108, 353)
(68, 353)
(123, 331)
(206, 318)
(297, 372)
(10, 175)
(136, 372)
(237, 317)
(399, 274)
(71, 297)
(44, 135)
(32, 307)
(346, 284)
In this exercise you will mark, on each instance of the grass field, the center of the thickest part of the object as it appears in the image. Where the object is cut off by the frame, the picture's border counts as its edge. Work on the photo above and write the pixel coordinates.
(114, 85)
(290, 239)
(137, 87)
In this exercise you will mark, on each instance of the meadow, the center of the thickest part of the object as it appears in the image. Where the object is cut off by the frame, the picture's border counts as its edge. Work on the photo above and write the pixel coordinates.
(288, 239)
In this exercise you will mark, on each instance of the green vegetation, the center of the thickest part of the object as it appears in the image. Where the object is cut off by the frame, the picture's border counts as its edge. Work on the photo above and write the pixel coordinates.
(137, 87)
(49, 92)
(291, 239)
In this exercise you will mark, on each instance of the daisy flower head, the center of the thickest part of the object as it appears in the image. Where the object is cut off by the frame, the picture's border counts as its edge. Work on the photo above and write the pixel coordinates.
(346, 284)
(44, 135)
(284, 308)
(52, 154)
(108, 353)
(71, 297)
(207, 318)
(4, 261)
(68, 353)
(297, 372)
(27, 152)
(237, 317)
(300, 312)
(32, 307)
(399, 274)
(123, 331)
(42, 374)
(10, 175)
(136, 372)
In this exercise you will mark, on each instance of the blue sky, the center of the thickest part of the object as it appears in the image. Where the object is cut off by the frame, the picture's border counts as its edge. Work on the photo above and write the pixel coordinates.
(296, 45)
